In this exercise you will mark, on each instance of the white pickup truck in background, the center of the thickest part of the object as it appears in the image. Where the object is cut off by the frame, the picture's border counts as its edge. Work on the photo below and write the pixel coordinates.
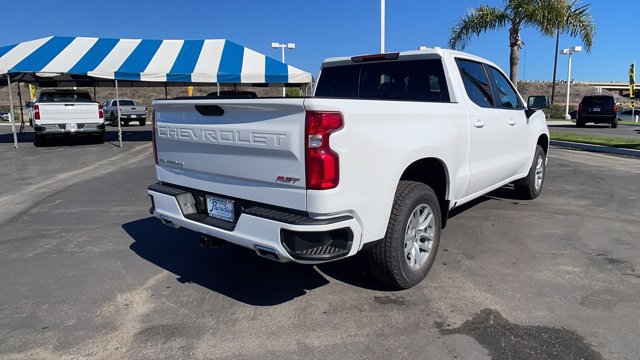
(129, 112)
(373, 162)
(66, 111)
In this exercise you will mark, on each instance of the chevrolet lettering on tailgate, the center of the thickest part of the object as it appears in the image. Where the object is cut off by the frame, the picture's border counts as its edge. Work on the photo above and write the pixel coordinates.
(241, 137)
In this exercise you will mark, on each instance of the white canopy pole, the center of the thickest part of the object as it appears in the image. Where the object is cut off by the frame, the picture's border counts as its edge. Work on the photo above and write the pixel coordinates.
(12, 115)
(118, 111)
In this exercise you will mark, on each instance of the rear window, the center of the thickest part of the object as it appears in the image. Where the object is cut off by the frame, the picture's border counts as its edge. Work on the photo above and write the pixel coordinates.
(125, 103)
(598, 100)
(412, 80)
(53, 97)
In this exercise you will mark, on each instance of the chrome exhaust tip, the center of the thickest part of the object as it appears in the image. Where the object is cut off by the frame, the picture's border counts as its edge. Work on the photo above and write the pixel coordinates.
(169, 223)
(268, 253)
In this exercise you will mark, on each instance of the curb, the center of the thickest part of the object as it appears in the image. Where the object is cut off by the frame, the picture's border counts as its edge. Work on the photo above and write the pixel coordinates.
(596, 148)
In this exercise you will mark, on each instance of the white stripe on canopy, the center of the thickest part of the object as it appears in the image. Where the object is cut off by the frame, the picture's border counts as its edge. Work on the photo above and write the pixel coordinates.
(162, 61)
(19, 53)
(206, 69)
(115, 59)
(70, 55)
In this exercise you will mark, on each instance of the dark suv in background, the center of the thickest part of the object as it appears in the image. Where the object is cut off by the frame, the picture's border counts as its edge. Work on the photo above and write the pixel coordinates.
(598, 109)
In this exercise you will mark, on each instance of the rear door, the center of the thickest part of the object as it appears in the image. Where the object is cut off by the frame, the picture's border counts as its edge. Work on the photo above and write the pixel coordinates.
(490, 156)
(250, 149)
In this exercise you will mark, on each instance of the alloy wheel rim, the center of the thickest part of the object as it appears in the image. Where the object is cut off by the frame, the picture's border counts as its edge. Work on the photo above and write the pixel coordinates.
(539, 172)
(419, 236)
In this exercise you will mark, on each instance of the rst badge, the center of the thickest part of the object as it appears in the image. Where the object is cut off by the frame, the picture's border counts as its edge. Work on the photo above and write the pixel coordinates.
(287, 180)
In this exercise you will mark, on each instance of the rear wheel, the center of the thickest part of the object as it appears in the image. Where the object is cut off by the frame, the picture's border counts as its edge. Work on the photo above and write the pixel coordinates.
(142, 122)
(580, 123)
(614, 124)
(407, 252)
(100, 138)
(530, 187)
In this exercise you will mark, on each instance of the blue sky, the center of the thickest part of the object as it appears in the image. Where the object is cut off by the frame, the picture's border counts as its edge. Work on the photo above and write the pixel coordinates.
(326, 28)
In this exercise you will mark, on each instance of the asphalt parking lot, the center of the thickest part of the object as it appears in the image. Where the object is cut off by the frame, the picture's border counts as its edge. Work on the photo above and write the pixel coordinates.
(624, 131)
(88, 274)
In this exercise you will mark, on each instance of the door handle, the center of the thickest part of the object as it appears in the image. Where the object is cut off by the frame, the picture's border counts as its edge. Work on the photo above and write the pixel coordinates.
(512, 122)
(478, 123)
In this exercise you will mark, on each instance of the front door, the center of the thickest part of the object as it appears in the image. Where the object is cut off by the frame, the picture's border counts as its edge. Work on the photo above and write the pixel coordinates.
(490, 157)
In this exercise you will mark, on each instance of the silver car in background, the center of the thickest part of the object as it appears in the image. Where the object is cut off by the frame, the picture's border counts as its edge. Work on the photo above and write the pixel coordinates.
(129, 112)
(627, 115)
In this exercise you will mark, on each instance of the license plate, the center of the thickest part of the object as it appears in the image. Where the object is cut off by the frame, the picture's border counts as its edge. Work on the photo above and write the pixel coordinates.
(596, 109)
(72, 126)
(220, 208)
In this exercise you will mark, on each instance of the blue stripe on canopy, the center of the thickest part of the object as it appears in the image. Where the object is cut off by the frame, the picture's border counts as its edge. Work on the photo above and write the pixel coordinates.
(186, 61)
(94, 56)
(275, 71)
(231, 63)
(138, 60)
(6, 49)
(38, 59)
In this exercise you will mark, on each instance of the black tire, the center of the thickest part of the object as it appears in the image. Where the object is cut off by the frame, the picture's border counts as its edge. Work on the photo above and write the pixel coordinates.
(526, 188)
(100, 138)
(387, 258)
(614, 124)
(142, 122)
(579, 123)
(39, 140)
(125, 123)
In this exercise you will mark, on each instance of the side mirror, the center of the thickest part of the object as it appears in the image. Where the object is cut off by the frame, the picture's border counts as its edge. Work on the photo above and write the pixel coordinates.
(538, 102)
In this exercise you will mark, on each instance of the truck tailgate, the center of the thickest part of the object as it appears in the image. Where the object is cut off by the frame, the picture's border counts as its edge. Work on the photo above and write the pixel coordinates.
(250, 149)
(51, 113)
(132, 110)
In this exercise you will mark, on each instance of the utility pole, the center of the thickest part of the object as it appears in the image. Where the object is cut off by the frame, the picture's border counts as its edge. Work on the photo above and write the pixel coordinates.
(382, 10)
(555, 68)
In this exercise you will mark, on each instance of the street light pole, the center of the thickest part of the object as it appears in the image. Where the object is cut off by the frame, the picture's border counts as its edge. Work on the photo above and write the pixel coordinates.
(283, 46)
(382, 10)
(570, 53)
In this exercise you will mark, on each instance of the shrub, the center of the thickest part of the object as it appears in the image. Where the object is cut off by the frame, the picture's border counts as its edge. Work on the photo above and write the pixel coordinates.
(557, 111)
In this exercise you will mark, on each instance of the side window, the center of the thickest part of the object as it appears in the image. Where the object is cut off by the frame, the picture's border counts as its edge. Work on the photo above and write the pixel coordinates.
(505, 94)
(476, 83)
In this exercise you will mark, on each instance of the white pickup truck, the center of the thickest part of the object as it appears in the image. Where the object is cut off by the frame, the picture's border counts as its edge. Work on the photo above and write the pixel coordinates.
(373, 162)
(66, 111)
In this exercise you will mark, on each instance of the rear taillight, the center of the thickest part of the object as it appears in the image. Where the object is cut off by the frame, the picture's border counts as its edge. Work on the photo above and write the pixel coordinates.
(36, 112)
(615, 108)
(100, 112)
(153, 136)
(322, 163)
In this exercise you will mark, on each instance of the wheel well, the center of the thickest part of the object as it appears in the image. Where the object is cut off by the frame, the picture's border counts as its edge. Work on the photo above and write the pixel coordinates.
(432, 172)
(543, 141)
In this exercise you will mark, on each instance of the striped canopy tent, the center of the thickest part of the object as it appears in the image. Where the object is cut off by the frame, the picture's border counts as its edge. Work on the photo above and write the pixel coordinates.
(86, 59)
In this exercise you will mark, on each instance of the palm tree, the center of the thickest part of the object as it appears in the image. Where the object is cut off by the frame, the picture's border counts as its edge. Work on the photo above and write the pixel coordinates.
(547, 16)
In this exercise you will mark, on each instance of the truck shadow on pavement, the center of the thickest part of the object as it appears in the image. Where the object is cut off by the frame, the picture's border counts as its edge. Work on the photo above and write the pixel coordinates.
(111, 136)
(236, 272)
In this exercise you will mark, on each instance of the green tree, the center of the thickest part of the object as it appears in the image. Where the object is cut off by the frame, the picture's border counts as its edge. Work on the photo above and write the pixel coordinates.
(547, 16)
